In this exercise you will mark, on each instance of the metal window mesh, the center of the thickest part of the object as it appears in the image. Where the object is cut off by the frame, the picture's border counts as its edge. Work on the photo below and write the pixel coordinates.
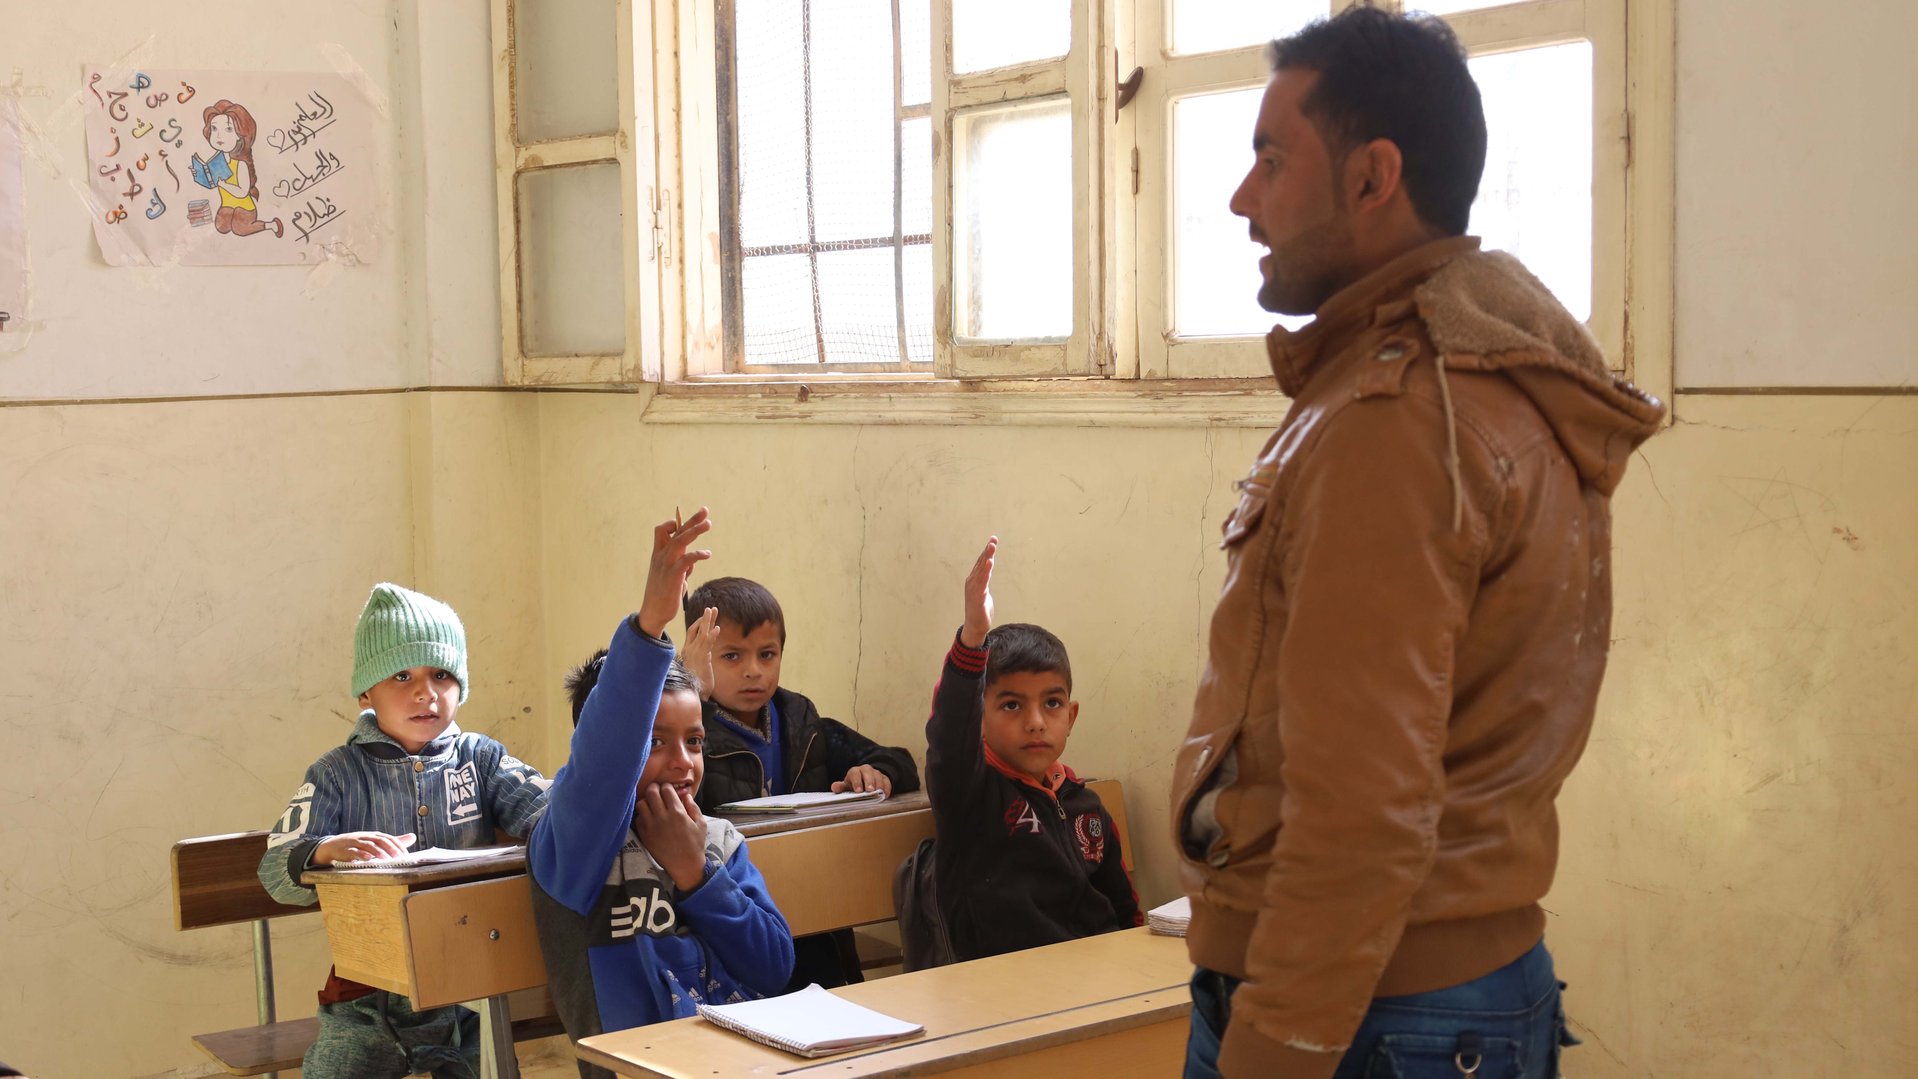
(826, 181)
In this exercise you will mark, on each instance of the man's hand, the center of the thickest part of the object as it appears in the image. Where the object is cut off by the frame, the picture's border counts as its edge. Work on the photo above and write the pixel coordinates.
(979, 598)
(672, 564)
(698, 653)
(674, 833)
(359, 846)
(864, 777)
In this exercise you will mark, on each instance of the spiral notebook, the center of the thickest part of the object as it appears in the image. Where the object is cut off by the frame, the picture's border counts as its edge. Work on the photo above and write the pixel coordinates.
(809, 1023)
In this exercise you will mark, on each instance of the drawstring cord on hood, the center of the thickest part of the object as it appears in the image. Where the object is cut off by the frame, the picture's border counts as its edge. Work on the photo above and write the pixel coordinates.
(1451, 448)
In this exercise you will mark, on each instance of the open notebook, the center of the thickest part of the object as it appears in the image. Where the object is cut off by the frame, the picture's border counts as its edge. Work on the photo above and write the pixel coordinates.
(430, 856)
(808, 802)
(811, 1022)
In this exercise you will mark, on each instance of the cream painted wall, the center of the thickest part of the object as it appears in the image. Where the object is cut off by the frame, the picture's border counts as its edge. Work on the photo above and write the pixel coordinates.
(424, 311)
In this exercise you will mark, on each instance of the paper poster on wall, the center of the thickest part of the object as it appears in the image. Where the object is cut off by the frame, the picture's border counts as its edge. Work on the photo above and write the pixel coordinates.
(13, 231)
(229, 168)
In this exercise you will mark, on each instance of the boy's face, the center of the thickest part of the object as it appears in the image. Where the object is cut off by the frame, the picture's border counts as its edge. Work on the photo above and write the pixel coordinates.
(1029, 715)
(414, 706)
(746, 667)
(678, 757)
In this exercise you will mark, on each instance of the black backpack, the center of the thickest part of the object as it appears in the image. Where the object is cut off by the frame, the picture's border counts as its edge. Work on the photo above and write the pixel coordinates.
(923, 940)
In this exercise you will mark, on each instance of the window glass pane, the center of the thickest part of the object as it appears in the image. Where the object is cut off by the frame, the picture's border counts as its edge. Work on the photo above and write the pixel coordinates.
(1536, 198)
(999, 33)
(1215, 25)
(1449, 7)
(1012, 243)
(916, 142)
(770, 73)
(858, 307)
(814, 130)
(852, 119)
(919, 302)
(572, 275)
(565, 82)
(915, 51)
(1215, 264)
(779, 311)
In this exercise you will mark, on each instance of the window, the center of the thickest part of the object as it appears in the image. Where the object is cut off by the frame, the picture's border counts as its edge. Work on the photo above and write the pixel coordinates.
(1551, 74)
(910, 188)
(825, 142)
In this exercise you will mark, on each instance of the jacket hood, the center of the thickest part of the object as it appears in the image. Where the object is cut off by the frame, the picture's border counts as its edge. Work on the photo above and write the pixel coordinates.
(1485, 312)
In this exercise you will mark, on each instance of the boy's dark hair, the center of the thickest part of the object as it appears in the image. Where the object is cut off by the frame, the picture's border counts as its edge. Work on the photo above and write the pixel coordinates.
(581, 680)
(746, 604)
(1023, 648)
(1402, 78)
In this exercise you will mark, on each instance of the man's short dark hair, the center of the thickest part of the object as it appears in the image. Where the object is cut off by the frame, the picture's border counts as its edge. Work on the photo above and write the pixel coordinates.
(1023, 648)
(581, 680)
(746, 604)
(1402, 78)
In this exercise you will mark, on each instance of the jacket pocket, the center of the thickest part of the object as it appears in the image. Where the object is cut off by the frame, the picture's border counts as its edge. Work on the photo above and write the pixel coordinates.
(1255, 493)
(1194, 775)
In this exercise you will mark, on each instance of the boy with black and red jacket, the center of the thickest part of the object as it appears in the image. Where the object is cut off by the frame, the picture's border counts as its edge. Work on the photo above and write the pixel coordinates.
(1026, 855)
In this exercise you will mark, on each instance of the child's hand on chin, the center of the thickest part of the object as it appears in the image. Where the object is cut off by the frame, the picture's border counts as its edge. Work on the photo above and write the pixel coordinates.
(674, 832)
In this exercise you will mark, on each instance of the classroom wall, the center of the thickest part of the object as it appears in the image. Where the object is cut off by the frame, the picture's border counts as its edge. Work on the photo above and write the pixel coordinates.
(179, 578)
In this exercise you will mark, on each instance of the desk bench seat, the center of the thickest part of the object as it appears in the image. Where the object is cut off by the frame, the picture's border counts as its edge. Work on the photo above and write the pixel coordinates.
(280, 1046)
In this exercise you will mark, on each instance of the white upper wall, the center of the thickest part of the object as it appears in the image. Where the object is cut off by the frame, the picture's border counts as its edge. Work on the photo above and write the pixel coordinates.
(1797, 234)
(423, 313)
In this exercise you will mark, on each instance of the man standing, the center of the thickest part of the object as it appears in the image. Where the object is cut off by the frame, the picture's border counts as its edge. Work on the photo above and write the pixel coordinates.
(1405, 657)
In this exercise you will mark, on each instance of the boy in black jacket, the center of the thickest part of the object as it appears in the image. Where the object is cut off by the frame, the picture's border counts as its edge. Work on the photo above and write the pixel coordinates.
(763, 739)
(1025, 855)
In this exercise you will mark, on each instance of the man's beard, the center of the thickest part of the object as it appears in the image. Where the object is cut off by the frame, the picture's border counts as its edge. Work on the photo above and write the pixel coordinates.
(1309, 268)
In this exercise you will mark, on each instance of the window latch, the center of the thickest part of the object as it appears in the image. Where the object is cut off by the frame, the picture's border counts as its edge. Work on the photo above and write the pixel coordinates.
(1128, 86)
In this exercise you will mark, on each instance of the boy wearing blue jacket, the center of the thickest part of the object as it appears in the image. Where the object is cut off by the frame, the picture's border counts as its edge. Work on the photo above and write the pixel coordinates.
(647, 908)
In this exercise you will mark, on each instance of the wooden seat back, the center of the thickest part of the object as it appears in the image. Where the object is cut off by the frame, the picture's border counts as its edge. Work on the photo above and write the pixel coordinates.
(216, 882)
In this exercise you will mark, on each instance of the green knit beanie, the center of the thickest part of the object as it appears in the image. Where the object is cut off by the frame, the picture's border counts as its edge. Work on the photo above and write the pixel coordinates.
(400, 629)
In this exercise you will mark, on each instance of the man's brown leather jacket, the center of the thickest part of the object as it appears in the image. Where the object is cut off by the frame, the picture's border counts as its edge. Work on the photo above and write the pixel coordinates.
(1406, 655)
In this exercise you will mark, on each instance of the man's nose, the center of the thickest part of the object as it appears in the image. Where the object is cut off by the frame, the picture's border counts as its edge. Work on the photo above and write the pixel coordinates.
(1241, 201)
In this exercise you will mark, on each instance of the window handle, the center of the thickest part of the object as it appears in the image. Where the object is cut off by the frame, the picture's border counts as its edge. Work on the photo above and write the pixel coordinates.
(1128, 86)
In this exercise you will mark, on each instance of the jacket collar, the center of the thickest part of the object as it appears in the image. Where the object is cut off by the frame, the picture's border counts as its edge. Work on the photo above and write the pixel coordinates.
(370, 738)
(1296, 354)
(1056, 775)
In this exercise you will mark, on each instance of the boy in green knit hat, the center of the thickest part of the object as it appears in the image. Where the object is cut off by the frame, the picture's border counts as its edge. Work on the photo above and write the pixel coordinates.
(406, 777)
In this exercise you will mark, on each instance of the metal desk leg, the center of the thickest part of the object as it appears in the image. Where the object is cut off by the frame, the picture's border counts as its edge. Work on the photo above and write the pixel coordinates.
(497, 1059)
(263, 975)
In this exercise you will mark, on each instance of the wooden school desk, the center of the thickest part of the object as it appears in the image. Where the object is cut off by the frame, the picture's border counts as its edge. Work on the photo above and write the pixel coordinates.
(1110, 1005)
(463, 932)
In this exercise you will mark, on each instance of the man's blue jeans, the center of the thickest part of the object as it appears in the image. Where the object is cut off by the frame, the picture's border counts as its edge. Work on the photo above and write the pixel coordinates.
(1506, 1025)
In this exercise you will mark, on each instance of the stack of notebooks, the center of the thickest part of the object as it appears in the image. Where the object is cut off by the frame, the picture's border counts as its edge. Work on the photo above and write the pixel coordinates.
(1170, 920)
(810, 1023)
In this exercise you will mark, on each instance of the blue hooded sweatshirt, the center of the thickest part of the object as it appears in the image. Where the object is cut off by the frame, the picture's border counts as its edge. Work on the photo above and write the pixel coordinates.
(623, 946)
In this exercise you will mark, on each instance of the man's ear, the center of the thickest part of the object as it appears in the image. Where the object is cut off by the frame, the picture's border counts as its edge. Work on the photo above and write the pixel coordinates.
(366, 699)
(1373, 175)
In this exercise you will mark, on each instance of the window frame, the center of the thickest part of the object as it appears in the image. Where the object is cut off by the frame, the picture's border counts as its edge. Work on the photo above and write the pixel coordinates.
(676, 324)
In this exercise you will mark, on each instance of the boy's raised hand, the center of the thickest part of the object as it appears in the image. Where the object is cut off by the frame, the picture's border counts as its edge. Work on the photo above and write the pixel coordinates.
(672, 564)
(979, 598)
(698, 653)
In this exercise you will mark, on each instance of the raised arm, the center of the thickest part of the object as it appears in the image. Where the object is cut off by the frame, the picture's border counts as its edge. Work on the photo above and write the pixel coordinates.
(590, 807)
(954, 754)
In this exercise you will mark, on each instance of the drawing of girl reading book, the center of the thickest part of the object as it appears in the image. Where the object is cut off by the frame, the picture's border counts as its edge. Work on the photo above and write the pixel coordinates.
(230, 130)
